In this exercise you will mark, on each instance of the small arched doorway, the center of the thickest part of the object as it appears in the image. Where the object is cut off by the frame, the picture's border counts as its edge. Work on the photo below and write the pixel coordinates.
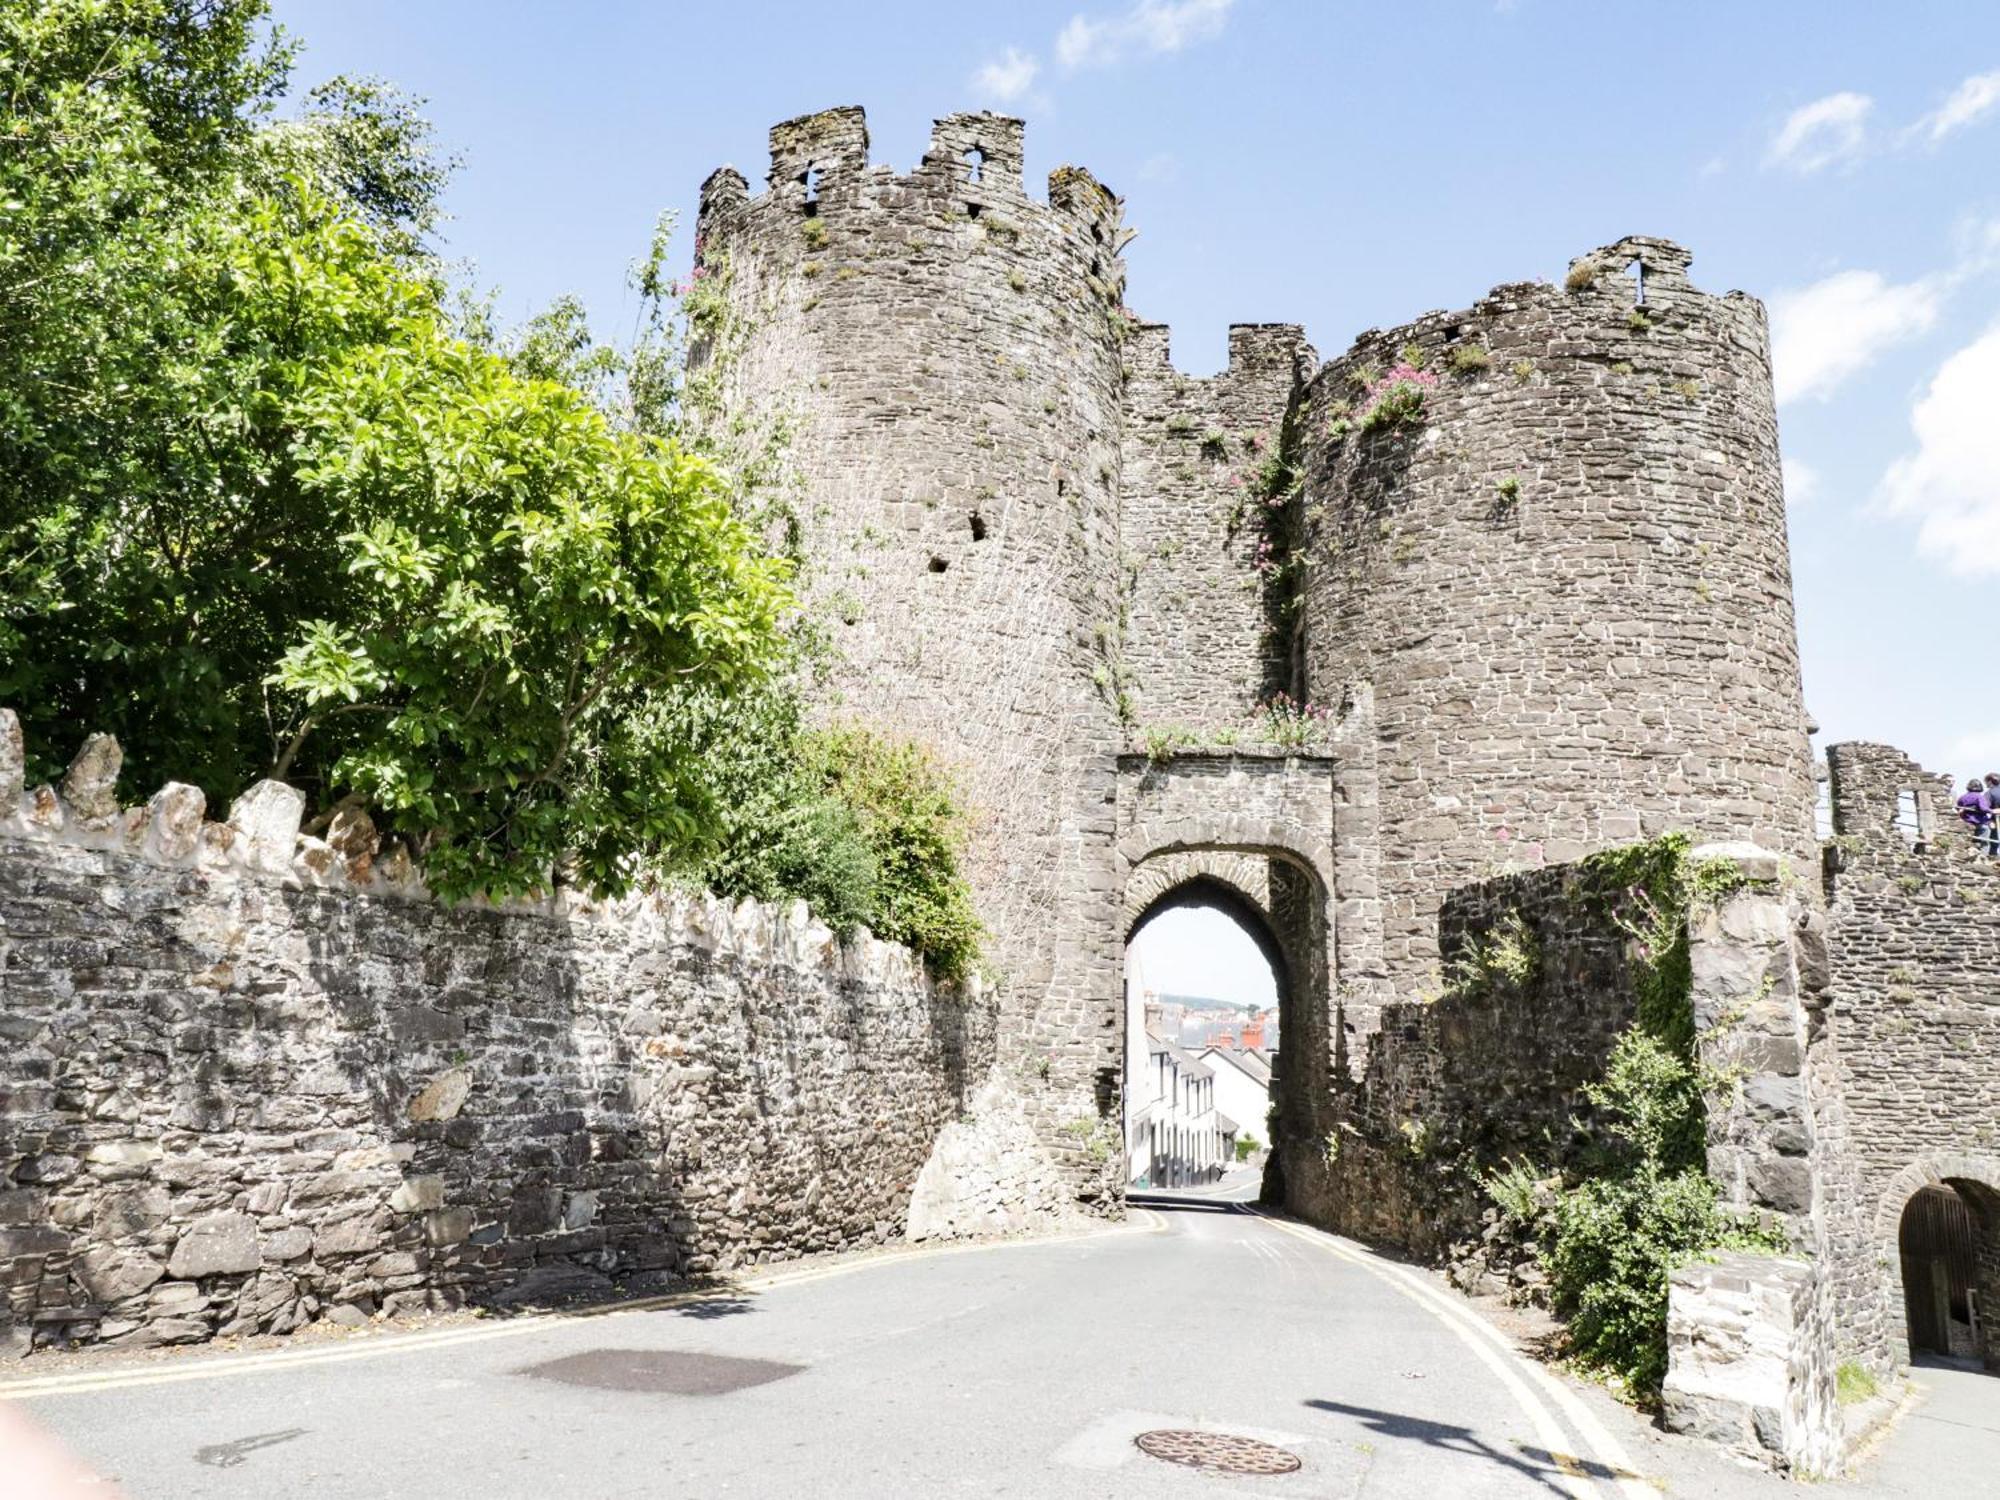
(1939, 1241)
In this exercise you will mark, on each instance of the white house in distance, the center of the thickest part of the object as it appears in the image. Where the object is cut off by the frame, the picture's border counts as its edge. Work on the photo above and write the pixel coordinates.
(1242, 1087)
(1174, 1135)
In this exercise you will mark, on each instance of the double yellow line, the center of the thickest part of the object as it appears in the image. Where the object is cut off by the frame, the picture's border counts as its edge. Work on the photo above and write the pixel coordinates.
(1521, 1377)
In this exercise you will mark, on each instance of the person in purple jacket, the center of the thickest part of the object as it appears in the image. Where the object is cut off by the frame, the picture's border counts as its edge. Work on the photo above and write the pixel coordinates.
(1975, 809)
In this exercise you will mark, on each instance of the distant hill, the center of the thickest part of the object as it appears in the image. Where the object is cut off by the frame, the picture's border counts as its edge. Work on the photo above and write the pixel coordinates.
(1208, 1002)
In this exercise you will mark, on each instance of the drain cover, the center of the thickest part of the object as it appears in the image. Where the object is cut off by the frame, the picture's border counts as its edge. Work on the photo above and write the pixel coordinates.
(1224, 1452)
(672, 1371)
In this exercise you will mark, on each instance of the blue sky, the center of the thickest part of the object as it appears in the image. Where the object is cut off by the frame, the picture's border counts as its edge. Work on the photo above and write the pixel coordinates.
(1349, 166)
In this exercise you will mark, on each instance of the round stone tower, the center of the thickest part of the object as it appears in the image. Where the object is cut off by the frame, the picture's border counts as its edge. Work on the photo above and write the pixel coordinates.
(1561, 591)
(944, 353)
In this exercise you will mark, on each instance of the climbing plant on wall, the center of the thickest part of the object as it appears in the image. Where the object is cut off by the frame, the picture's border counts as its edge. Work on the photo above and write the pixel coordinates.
(1642, 1203)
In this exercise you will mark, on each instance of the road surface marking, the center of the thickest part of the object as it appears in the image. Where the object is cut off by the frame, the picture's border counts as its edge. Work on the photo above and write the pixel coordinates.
(1496, 1355)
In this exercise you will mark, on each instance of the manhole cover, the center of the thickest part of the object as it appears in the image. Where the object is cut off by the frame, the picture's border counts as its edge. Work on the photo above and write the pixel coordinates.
(1224, 1452)
(675, 1372)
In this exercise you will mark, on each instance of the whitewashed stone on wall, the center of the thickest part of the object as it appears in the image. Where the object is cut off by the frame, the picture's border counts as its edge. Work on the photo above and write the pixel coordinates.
(1748, 1368)
(173, 821)
(266, 821)
(90, 786)
(988, 1174)
(13, 762)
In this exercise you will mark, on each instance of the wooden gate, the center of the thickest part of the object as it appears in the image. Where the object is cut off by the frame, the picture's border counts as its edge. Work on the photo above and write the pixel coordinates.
(1939, 1274)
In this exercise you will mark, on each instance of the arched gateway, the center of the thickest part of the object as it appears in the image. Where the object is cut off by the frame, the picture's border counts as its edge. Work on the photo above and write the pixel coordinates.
(1251, 835)
(1473, 627)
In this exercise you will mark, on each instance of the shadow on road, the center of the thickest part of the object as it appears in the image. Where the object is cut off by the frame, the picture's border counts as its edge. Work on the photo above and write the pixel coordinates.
(1182, 1203)
(1537, 1463)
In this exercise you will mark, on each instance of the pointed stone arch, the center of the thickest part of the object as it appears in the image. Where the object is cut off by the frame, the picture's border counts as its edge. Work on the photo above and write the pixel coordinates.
(1974, 1177)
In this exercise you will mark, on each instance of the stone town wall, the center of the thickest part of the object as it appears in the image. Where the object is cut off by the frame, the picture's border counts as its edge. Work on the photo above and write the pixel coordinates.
(1457, 1083)
(1568, 585)
(1204, 640)
(1913, 1028)
(250, 1080)
(1493, 1068)
(946, 352)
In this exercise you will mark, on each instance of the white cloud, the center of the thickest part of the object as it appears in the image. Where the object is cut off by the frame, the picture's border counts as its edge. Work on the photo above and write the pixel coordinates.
(1148, 26)
(1007, 77)
(1981, 747)
(1821, 133)
(1969, 103)
(1801, 482)
(1164, 167)
(1823, 333)
(1951, 483)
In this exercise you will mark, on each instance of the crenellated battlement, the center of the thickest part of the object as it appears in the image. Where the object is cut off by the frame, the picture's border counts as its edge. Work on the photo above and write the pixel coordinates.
(820, 161)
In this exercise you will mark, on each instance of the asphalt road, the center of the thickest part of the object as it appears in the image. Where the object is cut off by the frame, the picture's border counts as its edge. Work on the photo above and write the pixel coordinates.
(1021, 1370)
(1026, 1369)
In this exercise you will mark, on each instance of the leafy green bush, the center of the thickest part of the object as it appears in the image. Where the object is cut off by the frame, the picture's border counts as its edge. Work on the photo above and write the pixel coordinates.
(906, 807)
(268, 516)
(273, 507)
(1516, 1189)
(1505, 953)
(1641, 1204)
(1648, 1209)
(864, 829)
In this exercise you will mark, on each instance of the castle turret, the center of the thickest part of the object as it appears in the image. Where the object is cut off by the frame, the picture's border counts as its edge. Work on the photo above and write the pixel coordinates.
(945, 351)
(1563, 577)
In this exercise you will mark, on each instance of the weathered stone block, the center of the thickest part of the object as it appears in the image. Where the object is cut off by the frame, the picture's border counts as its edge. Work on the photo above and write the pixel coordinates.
(448, 1226)
(417, 1195)
(90, 786)
(173, 822)
(1748, 1367)
(266, 820)
(442, 1097)
(219, 1245)
(112, 1275)
(32, 1239)
(358, 1235)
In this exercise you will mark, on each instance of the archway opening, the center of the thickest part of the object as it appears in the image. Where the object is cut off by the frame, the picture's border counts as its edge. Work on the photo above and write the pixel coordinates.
(1951, 1272)
(1205, 979)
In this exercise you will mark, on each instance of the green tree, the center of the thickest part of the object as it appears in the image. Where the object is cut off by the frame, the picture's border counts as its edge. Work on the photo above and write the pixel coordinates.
(267, 516)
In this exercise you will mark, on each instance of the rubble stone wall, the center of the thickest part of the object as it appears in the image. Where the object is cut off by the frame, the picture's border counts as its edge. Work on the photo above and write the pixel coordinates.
(241, 1090)
(1202, 637)
(1912, 1027)
(1459, 1081)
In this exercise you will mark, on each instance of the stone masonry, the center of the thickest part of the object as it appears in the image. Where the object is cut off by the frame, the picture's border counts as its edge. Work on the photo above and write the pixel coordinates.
(252, 1079)
(1550, 615)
